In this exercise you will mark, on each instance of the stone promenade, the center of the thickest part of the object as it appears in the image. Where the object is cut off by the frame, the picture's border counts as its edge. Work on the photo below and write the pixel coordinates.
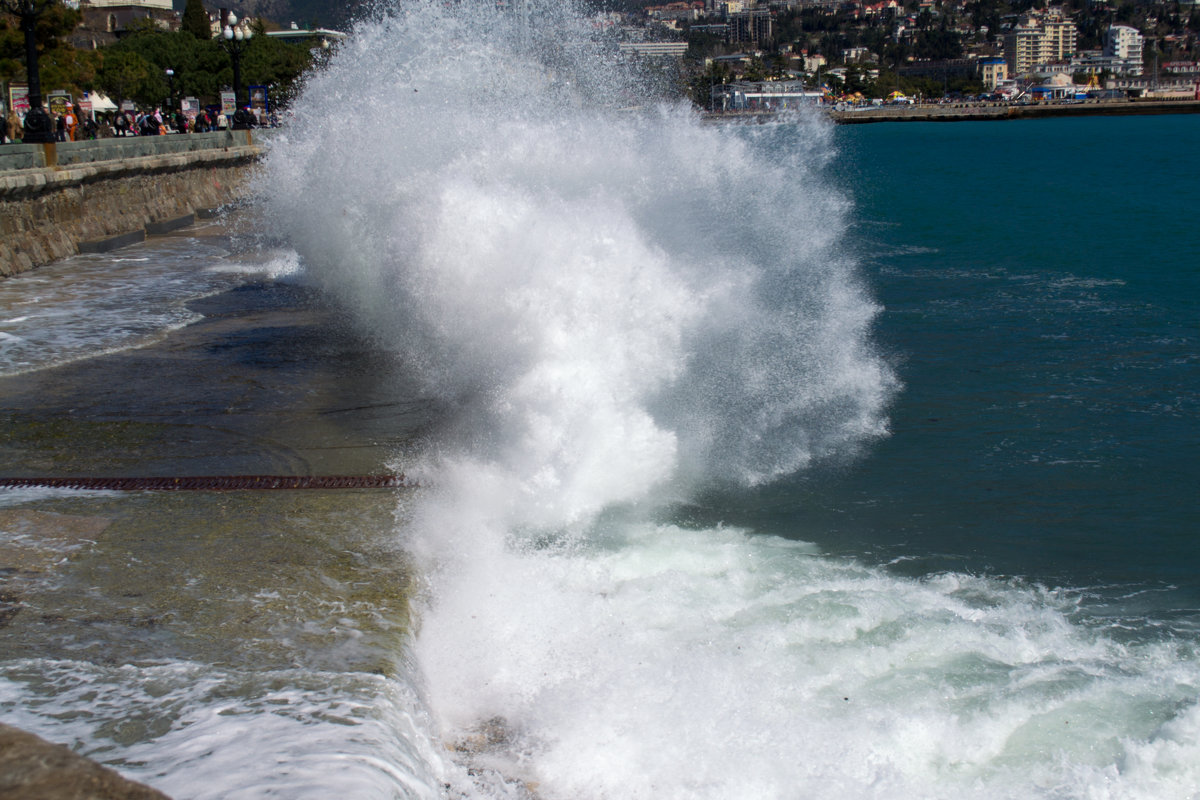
(63, 198)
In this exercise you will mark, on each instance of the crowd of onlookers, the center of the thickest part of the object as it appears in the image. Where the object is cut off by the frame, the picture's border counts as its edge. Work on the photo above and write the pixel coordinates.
(72, 125)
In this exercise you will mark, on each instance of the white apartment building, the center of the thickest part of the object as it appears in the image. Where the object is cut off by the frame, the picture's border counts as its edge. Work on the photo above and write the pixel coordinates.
(1124, 42)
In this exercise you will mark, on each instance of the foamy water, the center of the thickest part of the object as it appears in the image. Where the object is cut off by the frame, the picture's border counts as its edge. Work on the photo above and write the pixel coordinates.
(89, 305)
(625, 308)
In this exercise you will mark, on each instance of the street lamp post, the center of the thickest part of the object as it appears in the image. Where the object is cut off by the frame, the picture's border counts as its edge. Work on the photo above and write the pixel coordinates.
(170, 90)
(234, 40)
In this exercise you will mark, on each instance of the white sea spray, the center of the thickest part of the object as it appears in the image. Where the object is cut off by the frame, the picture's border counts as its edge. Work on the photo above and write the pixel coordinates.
(620, 309)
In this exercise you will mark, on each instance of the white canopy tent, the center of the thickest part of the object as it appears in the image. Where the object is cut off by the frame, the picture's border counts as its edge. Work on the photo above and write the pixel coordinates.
(101, 103)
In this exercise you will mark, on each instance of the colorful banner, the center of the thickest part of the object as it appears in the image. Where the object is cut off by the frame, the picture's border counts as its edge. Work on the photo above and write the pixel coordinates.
(18, 97)
(228, 103)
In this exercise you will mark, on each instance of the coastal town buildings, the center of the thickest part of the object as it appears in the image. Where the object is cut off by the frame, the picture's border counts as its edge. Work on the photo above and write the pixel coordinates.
(654, 50)
(755, 26)
(762, 96)
(865, 48)
(1040, 40)
(1124, 45)
(114, 16)
(993, 72)
(310, 37)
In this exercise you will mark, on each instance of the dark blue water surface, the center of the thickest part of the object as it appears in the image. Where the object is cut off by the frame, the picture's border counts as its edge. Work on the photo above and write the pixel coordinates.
(1040, 284)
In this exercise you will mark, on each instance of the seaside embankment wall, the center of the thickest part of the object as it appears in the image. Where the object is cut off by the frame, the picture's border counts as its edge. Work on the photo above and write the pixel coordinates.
(60, 199)
(980, 111)
(962, 112)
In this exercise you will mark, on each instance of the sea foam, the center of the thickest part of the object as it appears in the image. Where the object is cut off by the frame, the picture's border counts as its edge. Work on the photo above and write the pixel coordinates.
(618, 309)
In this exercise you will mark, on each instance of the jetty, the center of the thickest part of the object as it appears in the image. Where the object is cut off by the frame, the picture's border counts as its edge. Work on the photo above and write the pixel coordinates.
(978, 111)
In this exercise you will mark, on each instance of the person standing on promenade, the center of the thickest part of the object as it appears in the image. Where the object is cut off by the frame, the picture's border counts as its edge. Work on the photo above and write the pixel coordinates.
(121, 123)
(16, 130)
(147, 125)
(3, 127)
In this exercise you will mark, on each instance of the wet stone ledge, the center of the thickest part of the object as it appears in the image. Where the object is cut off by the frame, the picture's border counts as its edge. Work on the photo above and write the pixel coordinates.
(33, 769)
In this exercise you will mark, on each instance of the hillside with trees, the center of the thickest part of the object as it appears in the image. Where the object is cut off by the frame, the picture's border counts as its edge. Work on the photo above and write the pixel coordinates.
(135, 66)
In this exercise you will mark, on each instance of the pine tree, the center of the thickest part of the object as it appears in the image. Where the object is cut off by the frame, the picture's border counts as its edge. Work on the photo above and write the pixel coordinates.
(195, 20)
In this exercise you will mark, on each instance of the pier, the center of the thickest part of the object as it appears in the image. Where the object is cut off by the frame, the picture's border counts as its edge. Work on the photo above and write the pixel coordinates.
(968, 112)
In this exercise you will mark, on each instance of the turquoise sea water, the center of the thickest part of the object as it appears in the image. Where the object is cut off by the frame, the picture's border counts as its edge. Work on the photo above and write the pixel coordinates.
(1041, 291)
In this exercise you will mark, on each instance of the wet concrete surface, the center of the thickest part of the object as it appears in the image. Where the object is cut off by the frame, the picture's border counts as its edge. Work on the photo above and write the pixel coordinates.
(270, 382)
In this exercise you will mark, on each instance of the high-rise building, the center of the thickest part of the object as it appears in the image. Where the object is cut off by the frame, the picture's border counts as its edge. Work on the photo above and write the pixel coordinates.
(751, 26)
(1022, 47)
(1039, 40)
(1058, 39)
(1122, 41)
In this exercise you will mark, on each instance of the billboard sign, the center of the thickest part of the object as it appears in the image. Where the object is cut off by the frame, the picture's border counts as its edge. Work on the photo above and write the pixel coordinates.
(18, 97)
(259, 101)
(59, 102)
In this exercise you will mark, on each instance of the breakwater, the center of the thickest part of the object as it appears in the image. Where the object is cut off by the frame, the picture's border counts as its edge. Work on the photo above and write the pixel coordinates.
(964, 112)
(62, 198)
(967, 112)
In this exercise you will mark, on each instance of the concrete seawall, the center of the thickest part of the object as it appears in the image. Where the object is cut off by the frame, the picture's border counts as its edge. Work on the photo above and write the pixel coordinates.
(57, 200)
(966, 112)
(963, 112)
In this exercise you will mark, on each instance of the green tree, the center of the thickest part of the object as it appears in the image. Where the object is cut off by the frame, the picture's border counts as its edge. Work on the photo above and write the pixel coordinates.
(125, 75)
(195, 20)
(701, 85)
(202, 68)
(756, 70)
(158, 51)
(70, 69)
(279, 65)
(54, 22)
